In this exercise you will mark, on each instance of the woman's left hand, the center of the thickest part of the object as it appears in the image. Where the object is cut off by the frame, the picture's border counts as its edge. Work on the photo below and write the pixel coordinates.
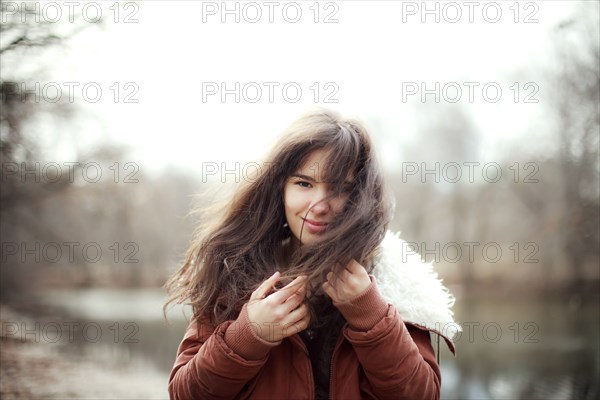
(347, 283)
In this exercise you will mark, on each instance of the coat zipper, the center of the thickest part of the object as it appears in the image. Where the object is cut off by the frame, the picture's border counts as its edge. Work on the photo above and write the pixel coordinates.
(299, 342)
(337, 345)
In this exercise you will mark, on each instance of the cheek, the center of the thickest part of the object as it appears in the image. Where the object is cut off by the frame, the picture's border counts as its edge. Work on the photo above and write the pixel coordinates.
(290, 199)
(294, 202)
(338, 204)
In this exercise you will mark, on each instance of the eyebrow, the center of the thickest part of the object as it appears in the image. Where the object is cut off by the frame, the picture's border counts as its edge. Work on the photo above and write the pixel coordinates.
(308, 178)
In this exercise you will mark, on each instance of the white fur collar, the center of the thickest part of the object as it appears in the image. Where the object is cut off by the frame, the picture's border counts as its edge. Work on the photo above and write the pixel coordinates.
(413, 287)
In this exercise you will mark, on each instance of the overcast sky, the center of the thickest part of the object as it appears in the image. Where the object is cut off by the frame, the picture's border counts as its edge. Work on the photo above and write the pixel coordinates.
(370, 57)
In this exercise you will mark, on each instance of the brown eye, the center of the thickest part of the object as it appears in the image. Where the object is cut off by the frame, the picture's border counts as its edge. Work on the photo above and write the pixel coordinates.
(303, 184)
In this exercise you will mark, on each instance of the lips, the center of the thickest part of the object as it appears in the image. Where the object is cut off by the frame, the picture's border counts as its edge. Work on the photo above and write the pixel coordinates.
(315, 226)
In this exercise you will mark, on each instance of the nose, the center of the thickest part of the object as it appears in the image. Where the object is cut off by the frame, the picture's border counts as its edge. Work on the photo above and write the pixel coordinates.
(322, 203)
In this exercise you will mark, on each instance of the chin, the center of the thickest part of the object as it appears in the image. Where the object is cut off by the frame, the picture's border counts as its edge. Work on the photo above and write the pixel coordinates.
(309, 239)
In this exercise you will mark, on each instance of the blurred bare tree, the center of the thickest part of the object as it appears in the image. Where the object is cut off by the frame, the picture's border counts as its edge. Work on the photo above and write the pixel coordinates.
(24, 35)
(548, 220)
(567, 202)
(140, 222)
(577, 102)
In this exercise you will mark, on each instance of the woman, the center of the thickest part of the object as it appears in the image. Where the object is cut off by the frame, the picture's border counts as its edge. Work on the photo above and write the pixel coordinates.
(297, 290)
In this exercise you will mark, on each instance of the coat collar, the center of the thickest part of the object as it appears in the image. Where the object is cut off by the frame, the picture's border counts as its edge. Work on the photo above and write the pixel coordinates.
(414, 288)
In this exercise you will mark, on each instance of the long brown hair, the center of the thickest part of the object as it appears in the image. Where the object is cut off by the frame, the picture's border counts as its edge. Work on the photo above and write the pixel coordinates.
(240, 247)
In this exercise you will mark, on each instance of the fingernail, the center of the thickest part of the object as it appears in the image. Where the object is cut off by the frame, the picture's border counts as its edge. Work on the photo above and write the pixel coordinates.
(276, 272)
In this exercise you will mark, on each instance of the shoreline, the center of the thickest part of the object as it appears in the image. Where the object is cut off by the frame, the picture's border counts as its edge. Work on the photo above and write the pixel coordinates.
(35, 369)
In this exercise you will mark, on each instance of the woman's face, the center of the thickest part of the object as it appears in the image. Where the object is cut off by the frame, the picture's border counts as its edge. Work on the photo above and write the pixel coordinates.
(309, 202)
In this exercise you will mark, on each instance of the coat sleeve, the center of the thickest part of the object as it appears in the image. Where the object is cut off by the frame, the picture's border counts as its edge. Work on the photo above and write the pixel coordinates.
(398, 359)
(216, 363)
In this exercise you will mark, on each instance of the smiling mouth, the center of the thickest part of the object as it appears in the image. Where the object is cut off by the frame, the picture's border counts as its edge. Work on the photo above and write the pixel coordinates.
(315, 226)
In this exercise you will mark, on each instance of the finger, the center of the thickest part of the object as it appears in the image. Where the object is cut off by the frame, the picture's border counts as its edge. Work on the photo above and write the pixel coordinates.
(328, 289)
(350, 268)
(301, 292)
(297, 317)
(329, 277)
(263, 290)
(354, 267)
(295, 327)
(333, 278)
(282, 294)
(339, 281)
(340, 272)
(297, 283)
(297, 314)
(293, 301)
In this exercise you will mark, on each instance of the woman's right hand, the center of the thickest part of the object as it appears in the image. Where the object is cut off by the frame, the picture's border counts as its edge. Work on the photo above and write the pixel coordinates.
(281, 313)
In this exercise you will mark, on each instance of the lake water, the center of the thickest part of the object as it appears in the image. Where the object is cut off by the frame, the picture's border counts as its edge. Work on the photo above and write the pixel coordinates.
(510, 349)
(525, 349)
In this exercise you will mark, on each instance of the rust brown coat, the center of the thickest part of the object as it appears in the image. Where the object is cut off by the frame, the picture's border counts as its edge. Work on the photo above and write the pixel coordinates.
(377, 356)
